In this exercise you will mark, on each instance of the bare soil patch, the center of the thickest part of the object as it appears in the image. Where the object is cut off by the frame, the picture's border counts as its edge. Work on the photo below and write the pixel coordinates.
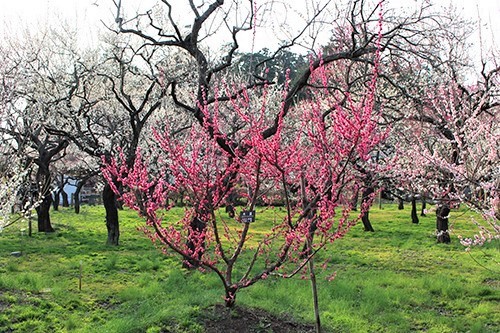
(219, 319)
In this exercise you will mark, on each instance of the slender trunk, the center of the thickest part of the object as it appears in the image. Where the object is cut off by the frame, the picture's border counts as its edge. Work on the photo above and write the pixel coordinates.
(306, 249)
(401, 204)
(76, 196)
(365, 218)
(414, 216)
(76, 202)
(442, 213)
(109, 201)
(314, 289)
(424, 205)
(30, 226)
(312, 217)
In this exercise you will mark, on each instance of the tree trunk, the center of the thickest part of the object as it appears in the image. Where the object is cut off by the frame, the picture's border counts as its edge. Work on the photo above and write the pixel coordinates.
(55, 201)
(43, 181)
(314, 289)
(65, 201)
(306, 250)
(76, 202)
(43, 214)
(230, 298)
(401, 204)
(43, 193)
(76, 196)
(414, 216)
(365, 217)
(442, 213)
(109, 201)
(30, 226)
(424, 205)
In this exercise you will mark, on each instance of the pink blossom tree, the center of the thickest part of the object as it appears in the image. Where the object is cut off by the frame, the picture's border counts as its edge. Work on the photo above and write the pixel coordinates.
(307, 162)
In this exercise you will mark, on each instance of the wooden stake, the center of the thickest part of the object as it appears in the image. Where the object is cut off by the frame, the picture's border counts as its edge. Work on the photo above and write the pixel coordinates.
(80, 278)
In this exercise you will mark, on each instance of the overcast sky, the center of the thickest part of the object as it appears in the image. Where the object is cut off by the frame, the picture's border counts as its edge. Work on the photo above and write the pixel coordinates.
(85, 15)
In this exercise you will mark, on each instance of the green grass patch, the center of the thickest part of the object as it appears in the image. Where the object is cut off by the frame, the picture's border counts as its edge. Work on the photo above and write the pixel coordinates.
(397, 279)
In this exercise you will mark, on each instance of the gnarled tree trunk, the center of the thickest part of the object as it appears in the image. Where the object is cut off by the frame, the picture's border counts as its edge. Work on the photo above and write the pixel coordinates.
(442, 214)
(76, 200)
(365, 217)
(76, 196)
(43, 215)
(43, 192)
(414, 216)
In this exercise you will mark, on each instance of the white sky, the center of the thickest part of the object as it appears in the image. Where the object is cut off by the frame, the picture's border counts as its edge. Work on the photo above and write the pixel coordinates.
(85, 15)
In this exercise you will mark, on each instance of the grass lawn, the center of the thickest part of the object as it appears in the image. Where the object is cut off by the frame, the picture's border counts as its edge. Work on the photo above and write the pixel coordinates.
(397, 279)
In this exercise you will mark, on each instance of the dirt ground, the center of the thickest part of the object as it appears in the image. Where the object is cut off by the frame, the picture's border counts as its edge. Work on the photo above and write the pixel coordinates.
(243, 320)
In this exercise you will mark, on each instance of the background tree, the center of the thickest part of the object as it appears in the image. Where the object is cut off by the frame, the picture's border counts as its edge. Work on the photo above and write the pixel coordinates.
(438, 58)
(113, 97)
(458, 145)
(442, 108)
(25, 119)
(14, 174)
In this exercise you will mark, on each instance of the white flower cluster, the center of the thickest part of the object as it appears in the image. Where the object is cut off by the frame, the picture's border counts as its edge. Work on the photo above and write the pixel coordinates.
(12, 181)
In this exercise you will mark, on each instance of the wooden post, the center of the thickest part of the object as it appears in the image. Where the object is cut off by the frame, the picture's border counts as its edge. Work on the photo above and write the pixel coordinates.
(80, 277)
